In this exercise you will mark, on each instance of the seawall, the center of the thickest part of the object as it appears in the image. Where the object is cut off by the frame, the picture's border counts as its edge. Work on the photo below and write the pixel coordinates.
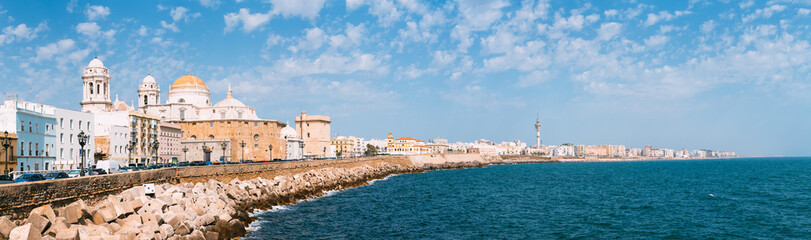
(236, 190)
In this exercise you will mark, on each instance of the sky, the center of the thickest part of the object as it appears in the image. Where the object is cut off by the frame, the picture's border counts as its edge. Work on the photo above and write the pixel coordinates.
(722, 75)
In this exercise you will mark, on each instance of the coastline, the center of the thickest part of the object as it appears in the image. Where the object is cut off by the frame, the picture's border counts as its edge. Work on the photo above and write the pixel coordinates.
(205, 208)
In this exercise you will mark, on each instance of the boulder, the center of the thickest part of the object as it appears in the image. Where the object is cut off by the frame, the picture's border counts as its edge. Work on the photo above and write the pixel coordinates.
(103, 216)
(114, 227)
(6, 226)
(167, 230)
(57, 226)
(121, 209)
(237, 227)
(149, 218)
(211, 235)
(24, 232)
(38, 223)
(45, 211)
(68, 234)
(196, 235)
(73, 212)
(182, 229)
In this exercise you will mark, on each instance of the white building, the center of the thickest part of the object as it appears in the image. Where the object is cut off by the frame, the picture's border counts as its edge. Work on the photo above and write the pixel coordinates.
(96, 88)
(34, 125)
(69, 124)
(188, 101)
(295, 146)
(380, 144)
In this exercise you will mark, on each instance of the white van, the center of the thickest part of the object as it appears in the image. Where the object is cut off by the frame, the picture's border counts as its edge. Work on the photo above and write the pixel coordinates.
(110, 166)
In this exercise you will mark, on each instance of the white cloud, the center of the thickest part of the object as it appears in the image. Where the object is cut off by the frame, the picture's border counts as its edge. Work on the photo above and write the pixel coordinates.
(353, 37)
(96, 12)
(210, 3)
(250, 22)
(314, 38)
(746, 4)
(48, 51)
(610, 13)
(499, 42)
(172, 27)
(21, 32)
(142, 31)
(764, 13)
(663, 16)
(534, 78)
(609, 30)
(93, 31)
(480, 14)
(72, 5)
(179, 13)
(462, 34)
(708, 26)
(656, 40)
(803, 11)
(303, 8)
(330, 63)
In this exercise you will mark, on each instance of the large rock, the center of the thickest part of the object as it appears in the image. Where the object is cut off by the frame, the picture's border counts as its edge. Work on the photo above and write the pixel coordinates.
(57, 226)
(45, 211)
(103, 216)
(167, 230)
(68, 234)
(6, 226)
(182, 229)
(38, 223)
(24, 232)
(211, 235)
(73, 212)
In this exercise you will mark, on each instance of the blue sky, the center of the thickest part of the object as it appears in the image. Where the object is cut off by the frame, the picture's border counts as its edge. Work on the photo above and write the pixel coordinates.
(726, 75)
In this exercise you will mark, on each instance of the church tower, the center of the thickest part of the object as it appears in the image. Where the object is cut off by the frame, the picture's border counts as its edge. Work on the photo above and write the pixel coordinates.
(96, 88)
(149, 93)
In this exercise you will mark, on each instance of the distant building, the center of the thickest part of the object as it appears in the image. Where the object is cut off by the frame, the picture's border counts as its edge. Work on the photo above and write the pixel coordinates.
(33, 124)
(406, 146)
(69, 124)
(213, 150)
(169, 148)
(295, 146)
(580, 150)
(8, 158)
(315, 131)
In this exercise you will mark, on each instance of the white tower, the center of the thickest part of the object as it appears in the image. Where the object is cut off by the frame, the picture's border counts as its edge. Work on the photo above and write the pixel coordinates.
(96, 88)
(538, 131)
(149, 93)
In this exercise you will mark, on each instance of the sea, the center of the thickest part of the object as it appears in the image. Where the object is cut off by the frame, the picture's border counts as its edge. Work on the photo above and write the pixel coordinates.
(748, 198)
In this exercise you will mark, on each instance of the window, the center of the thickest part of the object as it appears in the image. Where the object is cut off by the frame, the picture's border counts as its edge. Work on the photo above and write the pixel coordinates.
(211, 124)
(61, 123)
(61, 153)
(88, 126)
(36, 127)
(239, 115)
(256, 137)
(182, 112)
(222, 115)
(181, 100)
(210, 136)
(256, 124)
(145, 100)
(91, 88)
(71, 138)
(29, 149)
(22, 148)
(80, 124)
(71, 124)
(98, 89)
(30, 129)
(22, 126)
(37, 152)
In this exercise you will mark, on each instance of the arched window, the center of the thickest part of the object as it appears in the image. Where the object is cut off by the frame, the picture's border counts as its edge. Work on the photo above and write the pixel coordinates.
(210, 136)
(98, 89)
(145, 100)
(91, 88)
(222, 115)
(182, 113)
(193, 137)
(181, 100)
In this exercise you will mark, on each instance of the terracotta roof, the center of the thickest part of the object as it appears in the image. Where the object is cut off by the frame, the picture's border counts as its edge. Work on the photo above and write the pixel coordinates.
(189, 81)
(407, 138)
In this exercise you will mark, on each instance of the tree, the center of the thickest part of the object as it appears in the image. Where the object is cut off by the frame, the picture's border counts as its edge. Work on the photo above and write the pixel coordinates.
(371, 150)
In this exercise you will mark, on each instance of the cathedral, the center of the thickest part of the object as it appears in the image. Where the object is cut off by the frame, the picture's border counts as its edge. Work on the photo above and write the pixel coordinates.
(228, 125)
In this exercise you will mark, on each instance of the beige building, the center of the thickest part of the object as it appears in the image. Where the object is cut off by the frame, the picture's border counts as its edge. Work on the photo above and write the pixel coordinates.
(257, 135)
(315, 131)
(214, 150)
(8, 158)
(406, 146)
(169, 143)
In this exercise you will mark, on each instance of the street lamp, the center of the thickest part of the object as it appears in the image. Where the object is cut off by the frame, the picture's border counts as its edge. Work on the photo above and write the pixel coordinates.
(82, 141)
(325, 152)
(6, 144)
(271, 152)
(185, 149)
(129, 154)
(242, 144)
(302, 149)
(223, 145)
(155, 145)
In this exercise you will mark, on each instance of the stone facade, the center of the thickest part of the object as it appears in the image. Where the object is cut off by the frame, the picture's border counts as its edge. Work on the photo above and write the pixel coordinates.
(315, 132)
(8, 160)
(257, 135)
(169, 142)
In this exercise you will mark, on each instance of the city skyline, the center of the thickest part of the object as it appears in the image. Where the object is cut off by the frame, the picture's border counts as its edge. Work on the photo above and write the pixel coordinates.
(678, 74)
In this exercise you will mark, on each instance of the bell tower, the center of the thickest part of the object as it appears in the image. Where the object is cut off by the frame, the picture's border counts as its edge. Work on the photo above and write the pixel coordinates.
(96, 88)
(149, 93)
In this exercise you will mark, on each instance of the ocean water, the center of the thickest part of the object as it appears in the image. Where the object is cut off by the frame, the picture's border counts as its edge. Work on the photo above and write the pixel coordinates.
(765, 198)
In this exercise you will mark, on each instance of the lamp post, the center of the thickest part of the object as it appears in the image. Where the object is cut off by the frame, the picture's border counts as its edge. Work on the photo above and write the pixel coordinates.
(6, 144)
(155, 145)
(185, 149)
(129, 153)
(223, 145)
(242, 144)
(82, 141)
(325, 152)
(302, 149)
(270, 149)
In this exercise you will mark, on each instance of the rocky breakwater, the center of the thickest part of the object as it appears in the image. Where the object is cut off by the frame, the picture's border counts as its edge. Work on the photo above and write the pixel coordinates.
(202, 210)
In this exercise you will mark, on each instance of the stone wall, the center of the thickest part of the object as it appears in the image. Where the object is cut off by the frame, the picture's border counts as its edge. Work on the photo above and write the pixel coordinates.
(17, 200)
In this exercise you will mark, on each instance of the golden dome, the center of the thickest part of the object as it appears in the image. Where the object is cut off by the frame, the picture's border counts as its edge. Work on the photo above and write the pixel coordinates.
(189, 81)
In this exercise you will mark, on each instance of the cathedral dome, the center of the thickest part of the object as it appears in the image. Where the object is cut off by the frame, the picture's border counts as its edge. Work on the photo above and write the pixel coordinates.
(289, 132)
(95, 63)
(230, 101)
(149, 79)
(189, 81)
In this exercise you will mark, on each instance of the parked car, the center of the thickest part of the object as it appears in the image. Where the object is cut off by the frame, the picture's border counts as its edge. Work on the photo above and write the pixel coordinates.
(4, 179)
(30, 177)
(73, 173)
(97, 172)
(56, 175)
